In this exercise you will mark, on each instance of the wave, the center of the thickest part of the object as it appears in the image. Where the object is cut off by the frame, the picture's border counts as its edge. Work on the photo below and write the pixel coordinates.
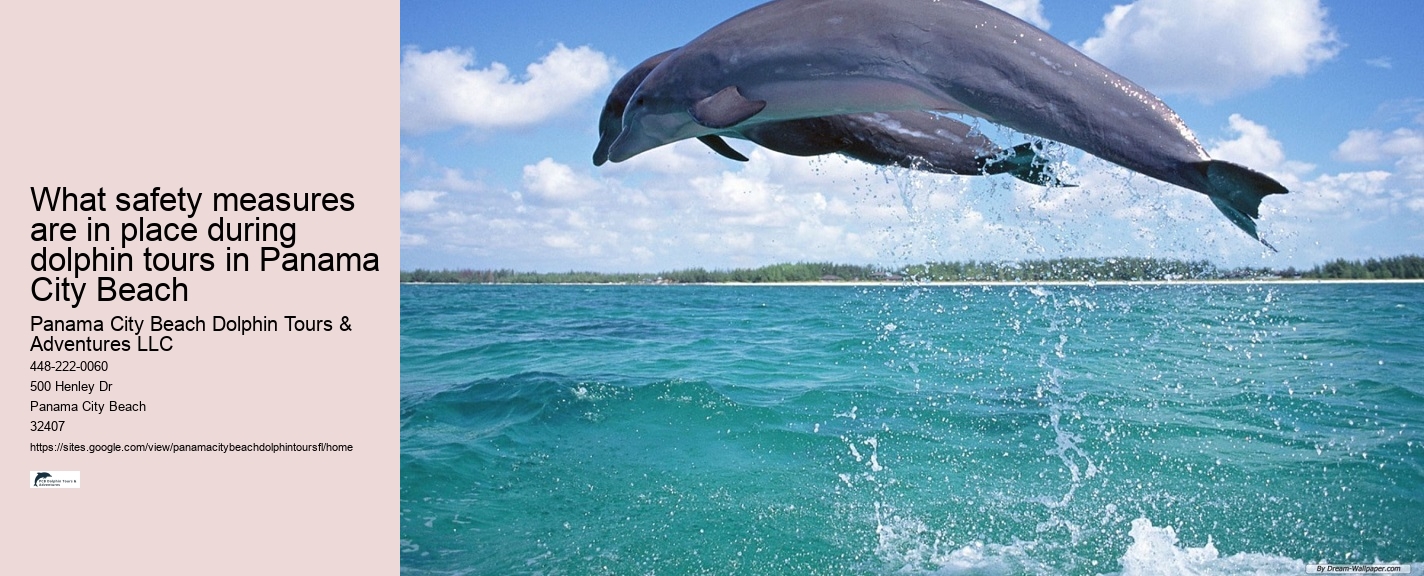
(1154, 551)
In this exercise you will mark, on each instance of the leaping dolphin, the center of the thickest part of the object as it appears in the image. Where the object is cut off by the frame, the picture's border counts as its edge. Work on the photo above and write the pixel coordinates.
(795, 59)
(914, 139)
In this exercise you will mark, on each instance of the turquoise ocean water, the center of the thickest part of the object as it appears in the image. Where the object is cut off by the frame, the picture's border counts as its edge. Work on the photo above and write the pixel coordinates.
(1183, 429)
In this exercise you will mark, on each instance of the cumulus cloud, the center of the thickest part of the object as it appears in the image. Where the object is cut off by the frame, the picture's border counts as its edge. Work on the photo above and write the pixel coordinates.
(442, 89)
(1254, 147)
(455, 181)
(419, 200)
(1213, 49)
(1377, 145)
(1404, 147)
(1030, 11)
(1344, 193)
(556, 182)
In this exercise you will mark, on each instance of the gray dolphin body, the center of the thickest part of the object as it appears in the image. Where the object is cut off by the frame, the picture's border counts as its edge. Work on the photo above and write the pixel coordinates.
(794, 59)
(913, 139)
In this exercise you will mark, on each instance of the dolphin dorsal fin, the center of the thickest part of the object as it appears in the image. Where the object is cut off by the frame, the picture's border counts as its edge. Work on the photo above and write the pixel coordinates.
(725, 109)
(720, 146)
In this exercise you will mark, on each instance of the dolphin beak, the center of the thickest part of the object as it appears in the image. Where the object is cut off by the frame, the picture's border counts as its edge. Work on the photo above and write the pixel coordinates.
(643, 133)
(600, 152)
(625, 147)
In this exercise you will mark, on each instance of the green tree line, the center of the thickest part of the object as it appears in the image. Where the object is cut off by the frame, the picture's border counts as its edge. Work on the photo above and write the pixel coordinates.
(1059, 269)
(1397, 268)
(798, 272)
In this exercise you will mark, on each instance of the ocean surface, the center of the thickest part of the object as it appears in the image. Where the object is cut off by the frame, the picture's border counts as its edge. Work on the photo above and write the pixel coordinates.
(1095, 429)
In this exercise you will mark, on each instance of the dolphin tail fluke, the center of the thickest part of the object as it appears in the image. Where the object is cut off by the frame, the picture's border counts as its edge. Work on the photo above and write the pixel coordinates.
(1237, 191)
(1024, 163)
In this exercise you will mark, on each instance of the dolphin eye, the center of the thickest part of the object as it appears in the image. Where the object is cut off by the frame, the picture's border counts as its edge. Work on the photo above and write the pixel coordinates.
(640, 101)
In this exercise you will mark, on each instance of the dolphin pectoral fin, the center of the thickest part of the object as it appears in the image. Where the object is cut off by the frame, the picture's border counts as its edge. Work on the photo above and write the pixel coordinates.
(1023, 162)
(725, 109)
(1237, 191)
(720, 146)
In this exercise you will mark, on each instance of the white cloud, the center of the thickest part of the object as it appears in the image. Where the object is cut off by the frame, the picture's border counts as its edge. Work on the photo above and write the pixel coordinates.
(1377, 146)
(419, 200)
(1344, 193)
(454, 180)
(1255, 148)
(744, 195)
(1213, 48)
(1030, 11)
(441, 89)
(1404, 147)
(556, 182)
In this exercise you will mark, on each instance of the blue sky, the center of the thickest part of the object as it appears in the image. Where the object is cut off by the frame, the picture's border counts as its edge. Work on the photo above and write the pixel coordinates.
(500, 105)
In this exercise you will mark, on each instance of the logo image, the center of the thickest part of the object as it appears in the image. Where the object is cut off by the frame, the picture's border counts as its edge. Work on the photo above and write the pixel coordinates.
(54, 479)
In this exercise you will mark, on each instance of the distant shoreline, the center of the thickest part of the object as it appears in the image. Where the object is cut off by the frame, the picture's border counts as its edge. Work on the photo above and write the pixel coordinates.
(968, 283)
(1058, 271)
